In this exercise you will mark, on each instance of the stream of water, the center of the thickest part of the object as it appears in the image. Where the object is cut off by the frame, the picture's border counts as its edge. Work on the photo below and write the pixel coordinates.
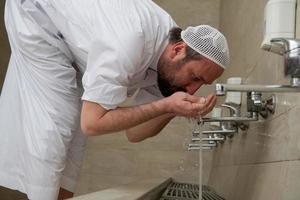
(195, 127)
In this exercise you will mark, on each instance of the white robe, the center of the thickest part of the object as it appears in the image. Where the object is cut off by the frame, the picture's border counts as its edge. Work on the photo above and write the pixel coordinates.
(110, 47)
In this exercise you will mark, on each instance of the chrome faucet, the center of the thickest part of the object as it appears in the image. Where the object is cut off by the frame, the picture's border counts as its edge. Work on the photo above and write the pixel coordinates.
(196, 142)
(255, 106)
(218, 134)
(290, 50)
(230, 124)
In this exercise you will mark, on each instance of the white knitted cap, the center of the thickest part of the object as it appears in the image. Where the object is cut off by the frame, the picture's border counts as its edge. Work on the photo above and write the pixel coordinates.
(208, 42)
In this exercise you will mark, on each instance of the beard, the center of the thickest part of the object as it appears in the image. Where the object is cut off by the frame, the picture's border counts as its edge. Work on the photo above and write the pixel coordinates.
(164, 81)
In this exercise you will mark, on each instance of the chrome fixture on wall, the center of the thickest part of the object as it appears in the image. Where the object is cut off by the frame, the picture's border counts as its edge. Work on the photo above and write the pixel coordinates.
(290, 50)
(255, 104)
(279, 38)
(222, 127)
(196, 142)
(291, 53)
(237, 121)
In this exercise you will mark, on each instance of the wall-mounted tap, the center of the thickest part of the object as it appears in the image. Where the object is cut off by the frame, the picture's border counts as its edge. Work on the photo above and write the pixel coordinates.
(234, 121)
(212, 140)
(255, 104)
(196, 142)
(291, 54)
(222, 129)
(233, 103)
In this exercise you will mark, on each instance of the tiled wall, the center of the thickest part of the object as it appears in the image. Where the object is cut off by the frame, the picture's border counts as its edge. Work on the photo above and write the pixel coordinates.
(263, 162)
(4, 46)
(111, 160)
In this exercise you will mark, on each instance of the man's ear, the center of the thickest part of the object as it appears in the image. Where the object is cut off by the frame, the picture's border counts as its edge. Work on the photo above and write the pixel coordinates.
(178, 51)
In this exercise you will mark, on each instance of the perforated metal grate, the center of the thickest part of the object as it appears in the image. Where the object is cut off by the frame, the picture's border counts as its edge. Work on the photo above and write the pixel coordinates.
(184, 191)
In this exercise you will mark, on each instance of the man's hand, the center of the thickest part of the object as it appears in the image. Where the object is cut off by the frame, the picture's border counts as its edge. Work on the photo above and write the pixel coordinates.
(186, 105)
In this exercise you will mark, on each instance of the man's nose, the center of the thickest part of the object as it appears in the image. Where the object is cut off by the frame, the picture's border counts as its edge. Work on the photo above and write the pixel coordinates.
(193, 87)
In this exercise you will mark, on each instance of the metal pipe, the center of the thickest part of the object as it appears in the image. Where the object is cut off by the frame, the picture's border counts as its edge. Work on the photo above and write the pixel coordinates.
(221, 89)
(219, 132)
(196, 139)
(202, 145)
(206, 148)
(230, 119)
(209, 145)
(194, 145)
(199, 148)
(212, 139)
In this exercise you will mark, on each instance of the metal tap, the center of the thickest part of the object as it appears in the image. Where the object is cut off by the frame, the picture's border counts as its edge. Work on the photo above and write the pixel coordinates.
(214, 139)
(230, 124)
(290, 50)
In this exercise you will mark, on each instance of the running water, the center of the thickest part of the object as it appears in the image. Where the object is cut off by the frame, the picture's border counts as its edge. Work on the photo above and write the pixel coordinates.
(196, 132)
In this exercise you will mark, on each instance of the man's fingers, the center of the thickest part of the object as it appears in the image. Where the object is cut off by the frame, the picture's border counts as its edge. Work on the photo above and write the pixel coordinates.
(196, 106)
(195, 99)
(191, 98)
(209, 106)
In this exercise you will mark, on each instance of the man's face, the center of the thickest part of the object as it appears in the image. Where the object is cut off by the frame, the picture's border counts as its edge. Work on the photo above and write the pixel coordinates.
(186, 76)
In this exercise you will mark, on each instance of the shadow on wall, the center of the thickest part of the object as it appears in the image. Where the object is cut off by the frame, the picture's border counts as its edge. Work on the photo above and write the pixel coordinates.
(4, 46)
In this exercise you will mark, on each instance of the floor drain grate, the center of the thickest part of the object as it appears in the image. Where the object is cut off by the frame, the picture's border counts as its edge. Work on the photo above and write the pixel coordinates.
(185, 191)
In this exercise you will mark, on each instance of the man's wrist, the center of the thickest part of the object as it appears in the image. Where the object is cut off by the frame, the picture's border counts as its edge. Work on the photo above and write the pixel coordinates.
(161, 106)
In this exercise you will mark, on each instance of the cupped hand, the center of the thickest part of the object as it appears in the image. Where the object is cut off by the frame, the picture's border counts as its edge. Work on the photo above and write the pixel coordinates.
(183, 104)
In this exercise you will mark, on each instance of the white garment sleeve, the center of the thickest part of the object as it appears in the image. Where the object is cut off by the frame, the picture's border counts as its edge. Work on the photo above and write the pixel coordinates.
(112, 62)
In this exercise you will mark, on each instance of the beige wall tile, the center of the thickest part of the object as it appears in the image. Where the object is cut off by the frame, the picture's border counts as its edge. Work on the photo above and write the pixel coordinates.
(199, 11)
(267, 154)
(250, 182)
(258, 182)
(298, 21)
(291, 185)
(222, 179)
(293, 145)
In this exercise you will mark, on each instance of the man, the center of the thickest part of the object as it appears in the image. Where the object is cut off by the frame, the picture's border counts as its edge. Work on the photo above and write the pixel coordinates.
(114, 47)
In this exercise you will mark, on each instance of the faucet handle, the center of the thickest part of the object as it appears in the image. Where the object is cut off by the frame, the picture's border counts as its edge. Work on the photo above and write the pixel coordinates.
(287, 44)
